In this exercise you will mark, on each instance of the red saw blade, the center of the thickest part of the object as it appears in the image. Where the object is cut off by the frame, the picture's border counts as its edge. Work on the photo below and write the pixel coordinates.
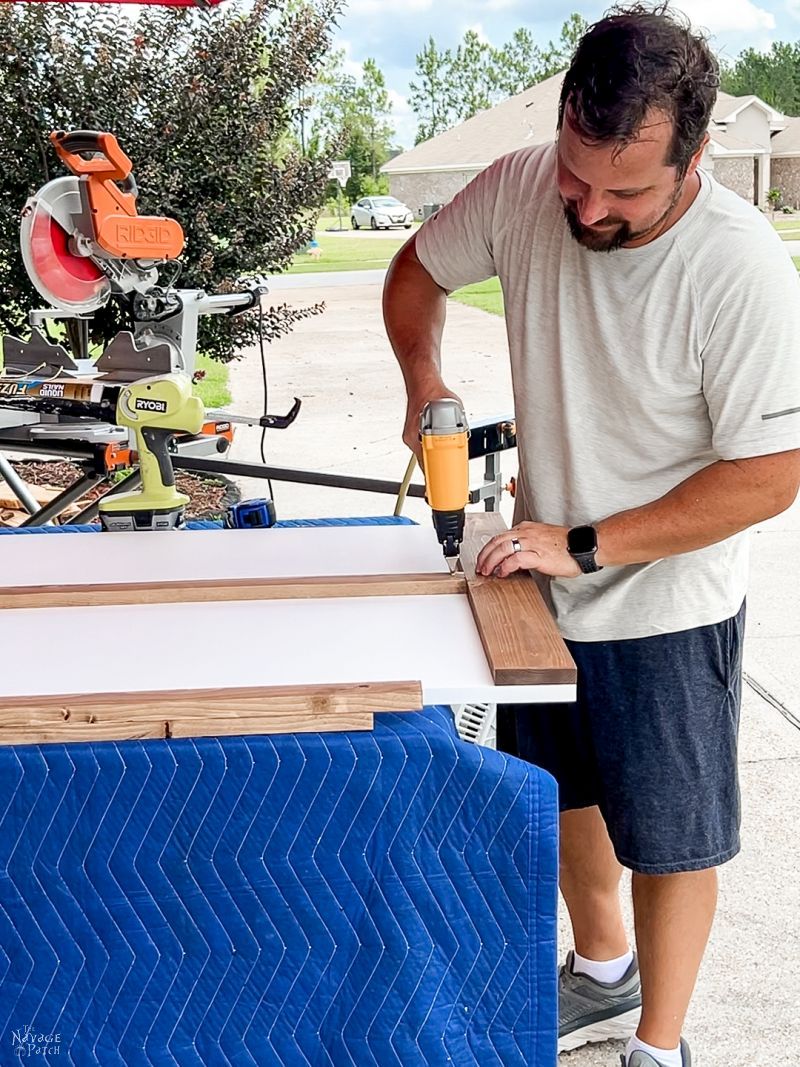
(63, 274)
(63, 278)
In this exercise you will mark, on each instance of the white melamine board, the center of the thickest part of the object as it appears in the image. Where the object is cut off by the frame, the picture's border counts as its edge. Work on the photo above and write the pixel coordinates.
(165, 647)
(202, 555)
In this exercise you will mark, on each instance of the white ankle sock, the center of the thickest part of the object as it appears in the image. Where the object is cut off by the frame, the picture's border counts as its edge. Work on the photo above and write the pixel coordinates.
(664, 1057)
(607, 971)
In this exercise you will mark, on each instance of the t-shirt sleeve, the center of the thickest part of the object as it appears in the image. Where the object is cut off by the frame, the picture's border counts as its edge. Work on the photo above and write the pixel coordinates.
(456, 245)
(751, 358)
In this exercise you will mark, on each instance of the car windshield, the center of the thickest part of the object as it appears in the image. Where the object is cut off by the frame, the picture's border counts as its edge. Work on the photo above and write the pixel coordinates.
(386, 201)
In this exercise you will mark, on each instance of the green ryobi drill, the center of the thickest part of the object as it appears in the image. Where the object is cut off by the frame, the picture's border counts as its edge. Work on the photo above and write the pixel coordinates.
(155, 409)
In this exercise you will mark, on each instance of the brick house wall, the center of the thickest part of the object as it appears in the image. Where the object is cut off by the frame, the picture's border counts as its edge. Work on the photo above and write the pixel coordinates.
(786, 177)
(431, 187)
(737, 174)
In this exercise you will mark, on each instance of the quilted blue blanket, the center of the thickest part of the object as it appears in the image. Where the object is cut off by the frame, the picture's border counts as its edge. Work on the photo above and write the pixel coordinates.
(351, 900)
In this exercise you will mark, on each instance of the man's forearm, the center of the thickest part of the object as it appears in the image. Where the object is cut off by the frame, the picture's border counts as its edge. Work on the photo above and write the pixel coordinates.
(414, 312)
(717, 502)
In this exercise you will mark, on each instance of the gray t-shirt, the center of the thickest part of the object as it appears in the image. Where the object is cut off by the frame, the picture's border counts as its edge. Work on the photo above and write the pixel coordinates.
(632, 370)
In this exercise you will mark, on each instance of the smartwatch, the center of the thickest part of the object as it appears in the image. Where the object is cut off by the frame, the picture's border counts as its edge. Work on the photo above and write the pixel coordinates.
(582, 546)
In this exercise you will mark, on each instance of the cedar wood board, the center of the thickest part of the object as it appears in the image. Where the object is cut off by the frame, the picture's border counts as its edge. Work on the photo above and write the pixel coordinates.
(519, 635)
(201, 712)
(204, 590)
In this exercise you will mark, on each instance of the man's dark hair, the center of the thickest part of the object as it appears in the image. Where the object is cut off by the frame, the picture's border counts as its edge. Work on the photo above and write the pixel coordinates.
(636, 60)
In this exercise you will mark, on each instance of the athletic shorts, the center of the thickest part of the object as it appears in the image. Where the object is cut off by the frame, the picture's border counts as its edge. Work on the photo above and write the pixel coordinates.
(652, 741)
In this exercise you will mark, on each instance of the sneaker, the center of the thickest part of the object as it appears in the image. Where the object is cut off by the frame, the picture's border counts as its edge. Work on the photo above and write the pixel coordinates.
(642, 1059)
(597, 1011)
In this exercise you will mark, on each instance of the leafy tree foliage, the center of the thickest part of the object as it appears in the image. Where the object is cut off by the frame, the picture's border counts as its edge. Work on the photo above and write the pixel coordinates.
(355, 113)
(451, 86)
(774, 76)
(201, 101)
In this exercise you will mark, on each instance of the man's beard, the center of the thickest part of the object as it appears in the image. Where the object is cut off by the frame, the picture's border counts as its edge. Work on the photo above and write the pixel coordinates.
(607, 240)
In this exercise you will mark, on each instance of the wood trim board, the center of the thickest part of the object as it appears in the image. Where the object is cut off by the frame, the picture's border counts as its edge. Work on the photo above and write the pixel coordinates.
(204, 712)
(518, 633)
(203, 591)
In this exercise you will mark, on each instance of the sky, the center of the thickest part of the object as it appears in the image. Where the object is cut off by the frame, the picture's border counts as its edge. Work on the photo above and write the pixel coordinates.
(393, 31)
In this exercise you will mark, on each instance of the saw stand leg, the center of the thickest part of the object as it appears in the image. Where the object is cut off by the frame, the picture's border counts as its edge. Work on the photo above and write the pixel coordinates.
(73, 492)
(18, 486)
(131, 481)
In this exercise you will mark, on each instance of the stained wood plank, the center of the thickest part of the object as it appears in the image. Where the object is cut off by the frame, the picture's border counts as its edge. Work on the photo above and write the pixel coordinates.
(120, 716)
(519, 636)
(204, 591)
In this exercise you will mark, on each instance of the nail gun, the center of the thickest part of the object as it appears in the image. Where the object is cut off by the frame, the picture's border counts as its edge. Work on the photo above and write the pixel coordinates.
(444, 433)
(155, 409)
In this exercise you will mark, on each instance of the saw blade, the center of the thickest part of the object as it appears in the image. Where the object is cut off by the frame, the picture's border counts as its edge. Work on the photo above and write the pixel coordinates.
(65, 280)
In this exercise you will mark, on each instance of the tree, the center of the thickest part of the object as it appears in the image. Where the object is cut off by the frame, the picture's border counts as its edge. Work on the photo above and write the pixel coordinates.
(517, 64)
(451, 87)
(375, 108)
(202, 102)
(472, 72)
(558, 55)
(356, 112)
(431, 95)
(774, 76)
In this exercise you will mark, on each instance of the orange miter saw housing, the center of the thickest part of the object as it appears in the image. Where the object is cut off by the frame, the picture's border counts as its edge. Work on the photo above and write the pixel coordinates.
(109, 209)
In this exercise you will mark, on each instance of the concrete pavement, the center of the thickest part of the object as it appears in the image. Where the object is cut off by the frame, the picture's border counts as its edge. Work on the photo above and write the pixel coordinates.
(745, 1012)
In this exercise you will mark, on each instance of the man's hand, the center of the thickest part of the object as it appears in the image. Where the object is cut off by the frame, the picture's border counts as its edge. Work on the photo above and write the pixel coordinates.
(543, 548)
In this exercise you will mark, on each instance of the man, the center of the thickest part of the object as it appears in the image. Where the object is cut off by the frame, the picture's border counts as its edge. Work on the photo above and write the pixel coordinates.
(653, 321)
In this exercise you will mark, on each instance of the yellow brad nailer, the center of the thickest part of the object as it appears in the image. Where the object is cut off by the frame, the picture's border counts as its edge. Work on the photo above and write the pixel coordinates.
(155, 409)
(443, 433)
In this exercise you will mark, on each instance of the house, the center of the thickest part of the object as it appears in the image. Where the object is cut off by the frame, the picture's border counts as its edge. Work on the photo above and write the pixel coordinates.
(752, 149)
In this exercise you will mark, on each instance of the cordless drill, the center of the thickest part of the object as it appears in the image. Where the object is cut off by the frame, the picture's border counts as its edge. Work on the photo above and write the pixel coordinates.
(155, 409)
(443, 433)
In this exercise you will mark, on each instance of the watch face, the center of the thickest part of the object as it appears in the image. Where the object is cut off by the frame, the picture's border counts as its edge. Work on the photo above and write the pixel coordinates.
(581, 539)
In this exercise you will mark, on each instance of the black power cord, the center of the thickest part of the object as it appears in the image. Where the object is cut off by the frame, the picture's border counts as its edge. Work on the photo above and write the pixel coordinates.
(265, 381)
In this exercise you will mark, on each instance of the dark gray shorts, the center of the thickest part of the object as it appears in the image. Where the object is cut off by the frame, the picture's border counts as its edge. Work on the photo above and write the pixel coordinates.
(651, 740)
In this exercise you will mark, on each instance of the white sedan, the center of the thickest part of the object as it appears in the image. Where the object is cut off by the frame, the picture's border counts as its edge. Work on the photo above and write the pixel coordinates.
(380, 212)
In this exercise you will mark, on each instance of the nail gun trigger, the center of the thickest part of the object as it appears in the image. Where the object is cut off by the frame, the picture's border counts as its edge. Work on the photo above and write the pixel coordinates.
(280, 422)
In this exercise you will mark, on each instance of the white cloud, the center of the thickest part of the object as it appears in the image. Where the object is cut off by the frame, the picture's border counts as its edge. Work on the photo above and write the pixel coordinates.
(727, 16)
(477, 28)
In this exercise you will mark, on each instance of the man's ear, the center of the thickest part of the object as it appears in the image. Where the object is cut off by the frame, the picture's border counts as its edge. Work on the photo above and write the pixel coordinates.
(694, 162)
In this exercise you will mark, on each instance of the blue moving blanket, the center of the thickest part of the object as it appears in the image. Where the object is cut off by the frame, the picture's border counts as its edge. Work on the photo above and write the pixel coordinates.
(384, 898)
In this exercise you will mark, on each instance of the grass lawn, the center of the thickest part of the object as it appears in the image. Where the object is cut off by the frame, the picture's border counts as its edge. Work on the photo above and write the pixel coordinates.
(213, 389)
(349, 253)
(487, 296)
(788, 229)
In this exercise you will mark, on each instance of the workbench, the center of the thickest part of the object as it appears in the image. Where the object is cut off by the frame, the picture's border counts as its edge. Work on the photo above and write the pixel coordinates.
(383, 897)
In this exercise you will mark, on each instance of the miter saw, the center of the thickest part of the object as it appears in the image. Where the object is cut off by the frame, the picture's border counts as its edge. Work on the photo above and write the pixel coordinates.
(84, 244)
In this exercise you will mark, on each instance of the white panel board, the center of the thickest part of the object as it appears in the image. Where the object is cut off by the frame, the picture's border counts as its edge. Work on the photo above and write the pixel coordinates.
(198, 555)
(229, 645)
